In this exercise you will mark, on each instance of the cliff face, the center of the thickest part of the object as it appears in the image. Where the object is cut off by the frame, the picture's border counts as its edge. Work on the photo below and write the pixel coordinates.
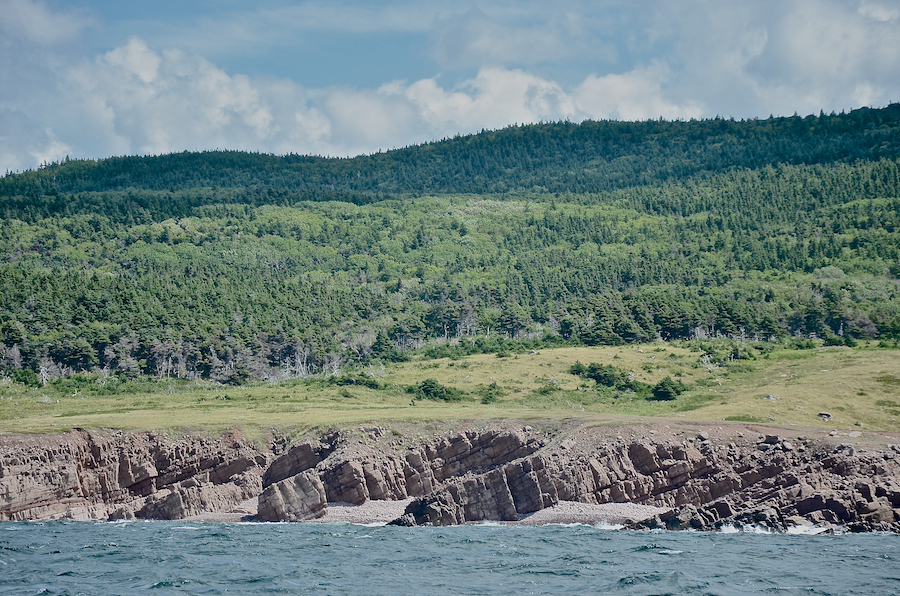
(767, 481)
(84, 475)
(492, 474)
(353, 474)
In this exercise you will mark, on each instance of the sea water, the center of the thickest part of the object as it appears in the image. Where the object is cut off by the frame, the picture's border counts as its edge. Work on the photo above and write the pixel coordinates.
(124, 558)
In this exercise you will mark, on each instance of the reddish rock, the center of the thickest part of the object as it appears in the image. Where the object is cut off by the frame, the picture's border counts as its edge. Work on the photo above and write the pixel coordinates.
(299, 498)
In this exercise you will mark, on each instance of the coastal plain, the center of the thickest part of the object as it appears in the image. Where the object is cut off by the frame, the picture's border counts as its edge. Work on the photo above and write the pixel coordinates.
(858, 388)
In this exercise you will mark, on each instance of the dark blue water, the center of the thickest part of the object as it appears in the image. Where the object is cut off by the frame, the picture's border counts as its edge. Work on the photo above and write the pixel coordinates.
(212, 558)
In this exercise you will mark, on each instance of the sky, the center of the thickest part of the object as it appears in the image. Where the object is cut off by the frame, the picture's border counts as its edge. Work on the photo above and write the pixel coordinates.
(96, 78)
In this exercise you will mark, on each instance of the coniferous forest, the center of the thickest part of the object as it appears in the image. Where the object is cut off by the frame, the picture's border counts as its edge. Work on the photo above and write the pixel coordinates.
(234, 266)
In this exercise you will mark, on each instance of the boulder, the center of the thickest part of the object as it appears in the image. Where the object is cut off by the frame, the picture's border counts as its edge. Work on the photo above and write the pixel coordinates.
(298, 458)
(299, 498)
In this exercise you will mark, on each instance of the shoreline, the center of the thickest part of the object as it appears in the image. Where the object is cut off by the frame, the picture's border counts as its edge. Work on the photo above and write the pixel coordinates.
(648, 475)
(383, 512)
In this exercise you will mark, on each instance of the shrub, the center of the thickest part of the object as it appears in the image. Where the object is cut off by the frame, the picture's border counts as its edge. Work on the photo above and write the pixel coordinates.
(640, 389)
(431, 389)
(27, 377)
(578, 369)
(607, 375)
(491, 393)
(800, 343)
(351, 379)
(668, 389)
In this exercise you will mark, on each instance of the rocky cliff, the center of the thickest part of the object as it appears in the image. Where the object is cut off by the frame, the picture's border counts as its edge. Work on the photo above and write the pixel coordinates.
(705, 478)
(97, 475)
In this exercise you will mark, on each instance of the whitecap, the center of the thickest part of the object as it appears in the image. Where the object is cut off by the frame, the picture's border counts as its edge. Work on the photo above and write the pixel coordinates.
(371, 524)
(607, 526)
(488, 523)
(569, 525)
(257, 523)
(806, 530)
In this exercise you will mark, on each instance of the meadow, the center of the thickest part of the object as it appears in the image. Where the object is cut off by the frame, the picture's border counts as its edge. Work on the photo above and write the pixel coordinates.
(859, 387)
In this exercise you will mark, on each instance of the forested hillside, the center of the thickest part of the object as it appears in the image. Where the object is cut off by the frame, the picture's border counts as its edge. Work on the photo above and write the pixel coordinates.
(545, 158)
(229, 265)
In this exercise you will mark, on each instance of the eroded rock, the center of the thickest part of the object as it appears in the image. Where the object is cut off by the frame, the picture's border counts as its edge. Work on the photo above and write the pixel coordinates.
(493, 474)
(298, 498)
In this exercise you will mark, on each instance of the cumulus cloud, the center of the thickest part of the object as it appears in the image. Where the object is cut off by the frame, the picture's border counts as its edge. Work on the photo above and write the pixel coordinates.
(33, 41)
(635, 95)
(495, 97)
(495, 65)
(780, 57)
(135, 99)
(143, 101)
(24, 144)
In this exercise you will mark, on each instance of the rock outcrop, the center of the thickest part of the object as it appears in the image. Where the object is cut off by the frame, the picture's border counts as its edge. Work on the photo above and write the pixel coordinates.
(92, 475)
(771, 482)
(298, 498)
(502, 473)
(781, 486)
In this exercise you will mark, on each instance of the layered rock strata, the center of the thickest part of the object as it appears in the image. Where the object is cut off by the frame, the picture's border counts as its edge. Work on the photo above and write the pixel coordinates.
(501, 474)
(782, 485)
(89, 475)
(769, 481)
(353, 474)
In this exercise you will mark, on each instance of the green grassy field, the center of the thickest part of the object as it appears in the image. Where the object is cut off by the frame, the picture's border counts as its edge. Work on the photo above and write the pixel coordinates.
(859, 387)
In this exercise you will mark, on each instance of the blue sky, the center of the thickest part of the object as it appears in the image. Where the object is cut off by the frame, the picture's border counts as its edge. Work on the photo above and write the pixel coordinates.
(100, 78)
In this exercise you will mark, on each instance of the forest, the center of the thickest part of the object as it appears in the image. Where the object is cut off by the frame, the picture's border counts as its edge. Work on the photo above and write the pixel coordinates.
(234, 266)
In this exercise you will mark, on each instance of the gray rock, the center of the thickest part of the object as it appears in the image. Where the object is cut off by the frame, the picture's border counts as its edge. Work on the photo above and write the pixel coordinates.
(98, 475)
(299, 498)
(470, 476)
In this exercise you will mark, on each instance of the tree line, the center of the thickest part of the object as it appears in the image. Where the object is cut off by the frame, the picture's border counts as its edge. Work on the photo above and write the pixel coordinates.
(233, 266)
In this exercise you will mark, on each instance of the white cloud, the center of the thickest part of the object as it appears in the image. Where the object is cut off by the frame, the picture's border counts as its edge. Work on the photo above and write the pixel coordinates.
(143, 101)
(134, 99)
(365, 121)
(635, 95)
(24, 144)
(51, 150)
(822, 53)
(137, 59)
(35, 22)
(770, 56)
(878, 11)
(494, 98)
(503, 63)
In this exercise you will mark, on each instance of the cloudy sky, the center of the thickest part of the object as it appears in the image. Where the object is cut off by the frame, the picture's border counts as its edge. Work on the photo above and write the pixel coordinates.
(94, 78)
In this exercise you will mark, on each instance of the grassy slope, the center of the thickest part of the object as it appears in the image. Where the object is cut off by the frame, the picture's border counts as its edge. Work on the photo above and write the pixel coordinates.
(860, 387)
